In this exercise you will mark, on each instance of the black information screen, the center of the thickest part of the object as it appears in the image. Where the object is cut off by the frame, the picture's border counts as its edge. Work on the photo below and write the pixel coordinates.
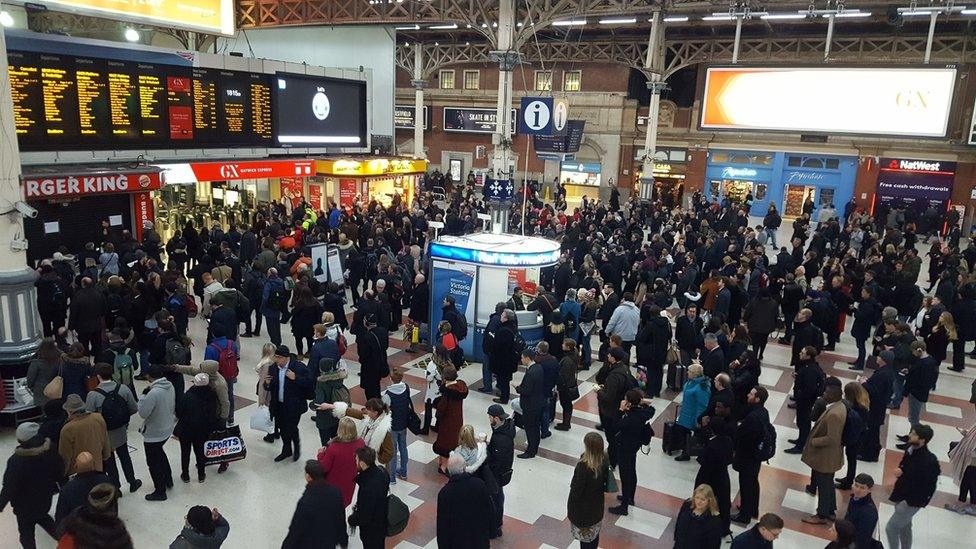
(244, 107)
(316, 111)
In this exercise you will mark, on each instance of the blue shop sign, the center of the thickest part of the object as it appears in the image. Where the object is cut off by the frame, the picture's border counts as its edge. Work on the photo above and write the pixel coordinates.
(734, 172)
(484, 257)
(580, 167)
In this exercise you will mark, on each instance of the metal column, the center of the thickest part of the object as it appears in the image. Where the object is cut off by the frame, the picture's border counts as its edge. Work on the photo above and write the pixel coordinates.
(418, 103)
(502, 155)
(655, 54)
(830, 35)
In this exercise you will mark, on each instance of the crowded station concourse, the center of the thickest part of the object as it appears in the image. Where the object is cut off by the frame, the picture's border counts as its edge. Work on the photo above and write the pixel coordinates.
(764, 339)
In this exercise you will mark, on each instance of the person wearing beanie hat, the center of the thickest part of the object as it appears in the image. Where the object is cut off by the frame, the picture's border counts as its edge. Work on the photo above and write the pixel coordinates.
(880, 387)
(205, 528)
(915, 480)
(30, 482)
(197, 417)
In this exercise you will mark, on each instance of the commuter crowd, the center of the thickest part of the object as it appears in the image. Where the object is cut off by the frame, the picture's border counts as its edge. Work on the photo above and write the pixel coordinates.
(657, 300)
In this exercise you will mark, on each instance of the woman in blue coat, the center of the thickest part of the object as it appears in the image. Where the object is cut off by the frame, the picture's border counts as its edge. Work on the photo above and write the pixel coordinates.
(694, 400)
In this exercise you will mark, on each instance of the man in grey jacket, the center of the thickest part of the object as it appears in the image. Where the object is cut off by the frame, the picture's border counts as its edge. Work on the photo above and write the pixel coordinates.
(117, 437)
(158, 410)
(625, 321)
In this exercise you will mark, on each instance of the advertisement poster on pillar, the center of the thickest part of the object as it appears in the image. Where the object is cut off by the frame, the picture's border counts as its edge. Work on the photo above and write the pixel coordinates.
(459, 281)
(315, 197)
(347, 192)
(293, 190)
(917, 184)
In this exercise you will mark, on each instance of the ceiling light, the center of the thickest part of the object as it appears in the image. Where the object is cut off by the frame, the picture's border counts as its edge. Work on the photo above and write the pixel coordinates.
(132, 35)
(444, 27)
(437, 43)
(783, 16)
(569, 23)
(6, 19)
(409, 28)
(624, 21)
(852, 14)
(964, 12)
(674, 19)
(494, 25)
(921, 11)
(717, 17)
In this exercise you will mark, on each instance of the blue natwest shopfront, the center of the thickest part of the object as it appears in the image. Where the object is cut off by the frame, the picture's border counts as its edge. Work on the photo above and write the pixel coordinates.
(780, 178)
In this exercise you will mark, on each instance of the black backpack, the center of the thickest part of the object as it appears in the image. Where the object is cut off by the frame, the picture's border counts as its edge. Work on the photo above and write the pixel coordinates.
(767, 446)
(853, 426)
(114, 409)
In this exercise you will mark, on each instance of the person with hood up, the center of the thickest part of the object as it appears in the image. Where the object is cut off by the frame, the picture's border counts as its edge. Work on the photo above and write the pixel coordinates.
(205, 528)
(218, 385)
(694, 400)
(652, 348)
(625, 322)
(157, 408)
(196, 419)
(30, 482)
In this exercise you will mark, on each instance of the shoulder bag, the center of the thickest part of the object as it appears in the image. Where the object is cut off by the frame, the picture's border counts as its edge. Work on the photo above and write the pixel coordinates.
(55, 387)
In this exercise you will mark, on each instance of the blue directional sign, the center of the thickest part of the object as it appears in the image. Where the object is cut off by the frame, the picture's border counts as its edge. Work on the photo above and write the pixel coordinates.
(536, 116)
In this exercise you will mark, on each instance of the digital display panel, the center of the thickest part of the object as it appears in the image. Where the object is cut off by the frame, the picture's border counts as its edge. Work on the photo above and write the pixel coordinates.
(319, 111)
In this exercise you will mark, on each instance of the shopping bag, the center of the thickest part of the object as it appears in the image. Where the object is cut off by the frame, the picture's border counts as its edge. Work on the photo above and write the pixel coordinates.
(22, 393)
(261, 420)
(224, 446)
(611, 485)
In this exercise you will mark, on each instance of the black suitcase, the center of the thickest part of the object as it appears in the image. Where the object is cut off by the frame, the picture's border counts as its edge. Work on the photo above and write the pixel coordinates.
(669, 439)
(677, 376)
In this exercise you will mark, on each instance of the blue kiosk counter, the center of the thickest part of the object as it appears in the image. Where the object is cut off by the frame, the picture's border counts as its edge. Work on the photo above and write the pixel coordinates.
(479, 270)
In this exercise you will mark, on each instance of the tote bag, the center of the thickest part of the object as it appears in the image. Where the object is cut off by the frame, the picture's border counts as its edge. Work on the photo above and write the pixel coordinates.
(55, 387)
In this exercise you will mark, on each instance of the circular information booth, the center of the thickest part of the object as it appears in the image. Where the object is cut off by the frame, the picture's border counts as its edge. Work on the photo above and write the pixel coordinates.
(481, 270)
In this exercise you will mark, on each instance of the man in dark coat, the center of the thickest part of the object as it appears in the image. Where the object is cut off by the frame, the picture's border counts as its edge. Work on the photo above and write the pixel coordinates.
(532, 399)
(652, 342)
(74, 494)
(287, 383)
(503, 356)
(335, 303)
(366, 306)
(464, 510)
(748, 436)
(501, 454)
(688, 334)
(87, 316)
(372, 346)
(760, 536)
(790, 304)
(879, 386)
(487, 344)
(808, 385)
(712, 359)
(369, 513)
(30, 482)
(320, 516)
(806, 334)
(915, 481)
(866, 318)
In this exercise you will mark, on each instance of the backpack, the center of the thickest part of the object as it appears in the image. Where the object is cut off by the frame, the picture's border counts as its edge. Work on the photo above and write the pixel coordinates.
(767, 446)
(191, 306)
(342, 344)
(853, 426)
(570, 321)
(519, 345)
(459, 326)
(122, 368)
(276, 299)
(177, 353)
(397, 516)
(58, 298)
(242, 309)
(646, 433)
(227, 361)
(341, 394)
(114, 409)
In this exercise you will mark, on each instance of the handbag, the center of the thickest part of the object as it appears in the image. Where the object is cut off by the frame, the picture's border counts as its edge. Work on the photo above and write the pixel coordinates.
(91, 382)
(673, 357)
(261, 420)
(55, 387)
(413, 421)
(611, 486)
(224, 446)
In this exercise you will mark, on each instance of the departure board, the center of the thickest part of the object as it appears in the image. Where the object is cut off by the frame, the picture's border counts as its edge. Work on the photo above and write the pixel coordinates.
(64, 102)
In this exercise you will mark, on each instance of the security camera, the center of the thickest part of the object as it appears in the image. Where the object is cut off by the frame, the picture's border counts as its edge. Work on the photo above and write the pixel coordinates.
(25, 210)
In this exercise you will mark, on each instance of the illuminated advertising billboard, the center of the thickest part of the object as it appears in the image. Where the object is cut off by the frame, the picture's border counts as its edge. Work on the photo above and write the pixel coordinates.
(208, 16)
(911, 102)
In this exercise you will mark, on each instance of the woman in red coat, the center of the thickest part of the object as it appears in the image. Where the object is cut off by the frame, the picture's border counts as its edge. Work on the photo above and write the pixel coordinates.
(338, 459)
(450, 415)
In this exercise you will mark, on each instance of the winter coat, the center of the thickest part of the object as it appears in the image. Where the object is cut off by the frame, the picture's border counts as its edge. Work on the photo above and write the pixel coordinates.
(75, 492)
(31, 477)
(503, 360)
(320, 520)
(692, 531)
(625, 321)
(761, 314)
(880, 388)
(450, 417)
(87, 311)
(420, 303)
(586, 496)
(748, 436)
(694, 401)
(630, 426)
(295, 404)
(217, 383)
(369, 513)
(824, 449)
(118, 436)
(652, 342)
(921, 377)
(196, 414)
(158, 410)
(84, 432)
(501, 451)
(863, 514)
(751, 539)
(616, 385)
(464, 513)
(919, 474)
(372, 345)
(39, 374)
(338, 460)
(866, 317)
(74, 372)
(191, 539)
(374, 432)
(688, 333)
(325, 387)
(713, 362)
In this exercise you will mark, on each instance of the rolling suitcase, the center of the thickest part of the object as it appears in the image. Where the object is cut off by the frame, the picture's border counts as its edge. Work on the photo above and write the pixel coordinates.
(670, 442)
(677, 375)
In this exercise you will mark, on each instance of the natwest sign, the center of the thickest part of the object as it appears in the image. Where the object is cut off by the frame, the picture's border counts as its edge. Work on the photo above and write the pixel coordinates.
(195, 172)
(915, 165)
(37, 187)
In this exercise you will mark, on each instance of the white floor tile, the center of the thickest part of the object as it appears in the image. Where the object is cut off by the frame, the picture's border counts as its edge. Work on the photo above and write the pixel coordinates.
(643, 522)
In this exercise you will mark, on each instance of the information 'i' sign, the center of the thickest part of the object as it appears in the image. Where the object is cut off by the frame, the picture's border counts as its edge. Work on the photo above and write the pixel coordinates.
(536, 116)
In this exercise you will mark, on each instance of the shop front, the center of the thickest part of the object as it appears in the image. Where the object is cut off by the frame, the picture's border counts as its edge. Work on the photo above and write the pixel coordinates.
(784, 179)
(924, 186)
(73, 202)
(670, 166)
(345, 180)
(221, 192)
(580, 178)
(740, 177)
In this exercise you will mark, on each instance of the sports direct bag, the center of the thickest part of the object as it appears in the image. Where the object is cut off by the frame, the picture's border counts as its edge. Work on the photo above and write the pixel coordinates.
(224, 446)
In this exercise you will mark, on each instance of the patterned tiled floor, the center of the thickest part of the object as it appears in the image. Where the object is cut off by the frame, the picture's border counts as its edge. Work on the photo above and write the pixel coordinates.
(258, 496)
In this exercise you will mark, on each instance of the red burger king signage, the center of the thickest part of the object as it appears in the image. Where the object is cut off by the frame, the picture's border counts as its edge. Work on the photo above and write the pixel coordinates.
(67, 185)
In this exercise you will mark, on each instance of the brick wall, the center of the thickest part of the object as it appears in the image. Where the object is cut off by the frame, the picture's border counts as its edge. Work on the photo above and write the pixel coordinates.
(595, 77)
